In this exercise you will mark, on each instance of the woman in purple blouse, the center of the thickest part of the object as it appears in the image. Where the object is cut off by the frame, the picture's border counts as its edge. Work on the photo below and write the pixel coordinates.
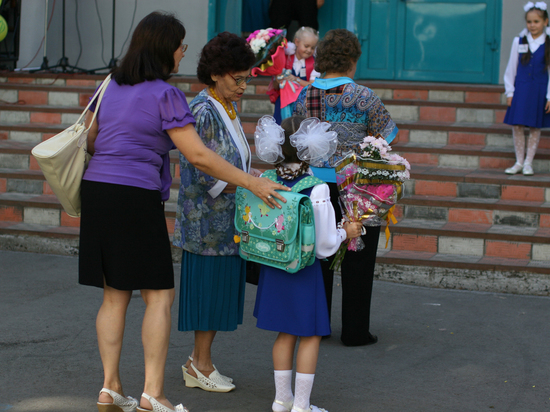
(124, 244)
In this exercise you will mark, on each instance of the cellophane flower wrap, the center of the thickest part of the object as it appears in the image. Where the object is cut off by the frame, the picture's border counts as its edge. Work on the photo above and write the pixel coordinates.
(269, 47)
(370, 183)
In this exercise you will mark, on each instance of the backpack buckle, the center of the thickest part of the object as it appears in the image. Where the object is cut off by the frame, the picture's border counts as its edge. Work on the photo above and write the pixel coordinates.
(280, 245)
(245, 237)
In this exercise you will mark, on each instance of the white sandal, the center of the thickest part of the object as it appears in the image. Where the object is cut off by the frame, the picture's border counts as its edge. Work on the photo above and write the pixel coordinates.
(119, 404)
(212, 383)
(312, 408)
(287, 405)
(159, 407)
(227, 378)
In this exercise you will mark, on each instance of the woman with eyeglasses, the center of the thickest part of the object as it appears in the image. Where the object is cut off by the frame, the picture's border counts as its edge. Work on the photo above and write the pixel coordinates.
(212, 273)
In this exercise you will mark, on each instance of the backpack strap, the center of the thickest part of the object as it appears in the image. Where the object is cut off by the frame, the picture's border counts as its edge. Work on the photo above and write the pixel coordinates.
(271, 174)
(305, 183)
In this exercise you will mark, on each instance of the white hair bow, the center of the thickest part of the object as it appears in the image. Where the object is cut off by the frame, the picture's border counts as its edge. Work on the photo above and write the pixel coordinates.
(314, 143)
(268, 138)
(538, 5)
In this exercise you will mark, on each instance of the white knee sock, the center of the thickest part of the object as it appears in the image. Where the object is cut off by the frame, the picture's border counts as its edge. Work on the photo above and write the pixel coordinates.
(283, 389)
(532, 144)
(519, 143)
(302, 390)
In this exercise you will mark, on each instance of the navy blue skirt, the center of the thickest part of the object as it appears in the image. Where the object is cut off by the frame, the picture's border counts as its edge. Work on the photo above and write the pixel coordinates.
(212, 292)
(293, 303)
(528, 104)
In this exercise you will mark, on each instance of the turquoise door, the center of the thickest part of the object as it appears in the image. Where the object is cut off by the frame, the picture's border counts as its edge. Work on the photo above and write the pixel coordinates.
(429, 40)
(224, 15)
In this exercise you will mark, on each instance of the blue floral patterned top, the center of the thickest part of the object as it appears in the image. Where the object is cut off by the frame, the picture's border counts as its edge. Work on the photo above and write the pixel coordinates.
(204, 221)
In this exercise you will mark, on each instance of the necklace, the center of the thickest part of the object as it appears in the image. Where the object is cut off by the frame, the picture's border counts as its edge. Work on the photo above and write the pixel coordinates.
(230, 111)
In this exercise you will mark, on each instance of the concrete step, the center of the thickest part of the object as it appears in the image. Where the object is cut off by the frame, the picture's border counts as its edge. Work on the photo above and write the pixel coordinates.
(468, 156)
(437, 263)
(475, 210)
(469, 239)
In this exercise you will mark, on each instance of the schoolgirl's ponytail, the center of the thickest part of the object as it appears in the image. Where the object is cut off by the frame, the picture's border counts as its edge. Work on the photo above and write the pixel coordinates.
(547, 51)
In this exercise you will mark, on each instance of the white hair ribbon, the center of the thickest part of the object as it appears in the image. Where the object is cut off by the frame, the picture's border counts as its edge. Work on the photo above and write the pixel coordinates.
(313, 142)
(538, 5)
(268, 138)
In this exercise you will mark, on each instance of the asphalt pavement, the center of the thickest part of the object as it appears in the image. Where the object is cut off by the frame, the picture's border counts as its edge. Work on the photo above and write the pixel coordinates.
(438, 350)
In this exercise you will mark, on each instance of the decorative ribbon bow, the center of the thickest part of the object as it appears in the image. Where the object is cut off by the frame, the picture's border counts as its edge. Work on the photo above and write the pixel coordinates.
(538, 5)
(389, 217)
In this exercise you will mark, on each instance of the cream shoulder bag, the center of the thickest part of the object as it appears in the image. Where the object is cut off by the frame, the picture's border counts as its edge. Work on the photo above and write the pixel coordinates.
(63, 158)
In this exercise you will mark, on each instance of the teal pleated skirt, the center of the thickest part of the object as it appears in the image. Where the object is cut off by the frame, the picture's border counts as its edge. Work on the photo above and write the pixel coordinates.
(211, 292)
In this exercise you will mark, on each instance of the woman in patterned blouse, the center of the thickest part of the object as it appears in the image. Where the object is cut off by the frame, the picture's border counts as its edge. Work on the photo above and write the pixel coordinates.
(212, 273)
(354, 111)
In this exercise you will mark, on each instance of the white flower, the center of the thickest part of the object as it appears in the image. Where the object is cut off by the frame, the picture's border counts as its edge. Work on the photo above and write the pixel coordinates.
(256, 45)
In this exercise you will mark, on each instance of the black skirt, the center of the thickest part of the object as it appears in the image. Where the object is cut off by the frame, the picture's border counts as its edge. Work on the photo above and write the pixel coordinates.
(123, 238)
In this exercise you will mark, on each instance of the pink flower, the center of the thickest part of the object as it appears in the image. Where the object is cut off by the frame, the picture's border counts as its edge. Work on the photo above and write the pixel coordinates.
(381, 192)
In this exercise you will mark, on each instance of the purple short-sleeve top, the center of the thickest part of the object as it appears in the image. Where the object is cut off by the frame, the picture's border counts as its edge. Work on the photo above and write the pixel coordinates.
(132, 146)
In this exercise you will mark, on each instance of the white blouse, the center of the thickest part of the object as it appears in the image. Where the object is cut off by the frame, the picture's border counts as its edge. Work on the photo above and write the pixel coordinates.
(512, 67)
(327, 236)
(301, 64)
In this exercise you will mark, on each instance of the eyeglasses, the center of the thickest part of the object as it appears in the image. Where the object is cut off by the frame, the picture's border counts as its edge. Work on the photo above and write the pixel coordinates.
(242, 80)
(183, 47)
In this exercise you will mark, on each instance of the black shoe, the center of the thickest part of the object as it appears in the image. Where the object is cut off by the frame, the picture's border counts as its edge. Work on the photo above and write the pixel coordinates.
(371, 340)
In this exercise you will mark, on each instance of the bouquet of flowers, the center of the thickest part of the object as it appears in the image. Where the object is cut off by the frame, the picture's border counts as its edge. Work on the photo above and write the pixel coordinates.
(269, 47)
(370, 184)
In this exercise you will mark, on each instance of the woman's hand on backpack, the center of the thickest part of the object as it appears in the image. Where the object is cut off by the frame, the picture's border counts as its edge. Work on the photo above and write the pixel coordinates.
(353, 229)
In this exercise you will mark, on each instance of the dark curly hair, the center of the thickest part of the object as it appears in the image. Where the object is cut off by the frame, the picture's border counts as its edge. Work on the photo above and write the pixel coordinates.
(150, 55)
(337, 51)
(225, 53)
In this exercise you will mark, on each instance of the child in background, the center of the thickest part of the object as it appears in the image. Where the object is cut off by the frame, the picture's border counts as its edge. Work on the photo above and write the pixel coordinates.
(527, 87)
(299, 69)
(294, 304)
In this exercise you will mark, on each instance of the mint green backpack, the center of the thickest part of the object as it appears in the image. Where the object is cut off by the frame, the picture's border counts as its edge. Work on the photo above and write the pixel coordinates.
(281, 238)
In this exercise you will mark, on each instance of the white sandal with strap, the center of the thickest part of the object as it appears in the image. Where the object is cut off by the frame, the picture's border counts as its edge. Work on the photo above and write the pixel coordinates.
(227, 378)
(159, 407)
(287, 405)
(312, 408)
(119, 404)
(212, 383)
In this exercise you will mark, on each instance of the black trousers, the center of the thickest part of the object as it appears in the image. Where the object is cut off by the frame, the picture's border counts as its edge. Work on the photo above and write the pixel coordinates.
(283, 12)
(357, 273)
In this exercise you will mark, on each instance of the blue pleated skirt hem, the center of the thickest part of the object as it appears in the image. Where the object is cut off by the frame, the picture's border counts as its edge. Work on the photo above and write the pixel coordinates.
(293, 303)
(528, 105)
(212, 292)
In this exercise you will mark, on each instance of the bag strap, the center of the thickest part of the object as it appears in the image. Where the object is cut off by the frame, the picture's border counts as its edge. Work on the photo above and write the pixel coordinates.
(305, 183)
(100, 91)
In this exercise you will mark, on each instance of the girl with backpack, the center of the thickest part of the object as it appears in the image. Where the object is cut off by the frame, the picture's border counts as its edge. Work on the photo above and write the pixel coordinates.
(294, 304)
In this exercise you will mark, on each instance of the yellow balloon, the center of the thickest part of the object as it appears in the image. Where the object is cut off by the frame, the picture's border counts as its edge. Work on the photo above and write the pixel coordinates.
(3, 28)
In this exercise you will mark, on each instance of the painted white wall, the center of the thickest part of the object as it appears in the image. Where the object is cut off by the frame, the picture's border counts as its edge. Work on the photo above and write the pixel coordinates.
(513, 21)
(193, 14)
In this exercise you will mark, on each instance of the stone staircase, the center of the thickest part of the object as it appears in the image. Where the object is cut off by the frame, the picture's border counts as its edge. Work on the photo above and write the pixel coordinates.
(463, 224)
